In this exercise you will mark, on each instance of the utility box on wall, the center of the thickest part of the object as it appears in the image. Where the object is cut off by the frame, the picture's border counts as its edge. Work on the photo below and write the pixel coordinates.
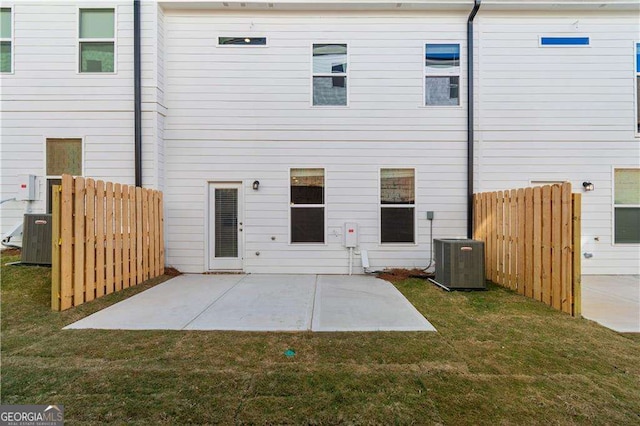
(350, 235)
(26, 188)
(459, 264)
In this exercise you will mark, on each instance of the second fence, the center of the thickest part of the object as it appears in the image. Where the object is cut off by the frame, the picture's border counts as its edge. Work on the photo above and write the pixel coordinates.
(532, 242)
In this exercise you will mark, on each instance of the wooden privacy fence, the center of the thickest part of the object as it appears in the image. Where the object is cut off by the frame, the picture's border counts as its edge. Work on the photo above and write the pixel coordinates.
(106, 237)
(532, 242)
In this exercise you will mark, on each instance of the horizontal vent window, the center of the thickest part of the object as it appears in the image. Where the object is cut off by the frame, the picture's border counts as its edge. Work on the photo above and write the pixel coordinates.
(242, 41)
(564, 41)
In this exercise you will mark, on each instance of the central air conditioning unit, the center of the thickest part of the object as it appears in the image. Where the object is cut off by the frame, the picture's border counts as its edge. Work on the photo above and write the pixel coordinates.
(36, 239)
(459, 264)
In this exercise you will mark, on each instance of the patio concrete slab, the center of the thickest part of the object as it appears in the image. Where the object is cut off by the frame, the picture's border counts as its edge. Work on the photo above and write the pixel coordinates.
(261, 302)
(168, 306)
(362, 303)
(613, 301)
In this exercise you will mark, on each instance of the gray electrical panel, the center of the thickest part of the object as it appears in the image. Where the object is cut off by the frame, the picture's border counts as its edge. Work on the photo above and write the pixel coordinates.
(36, 239)
(459, 264)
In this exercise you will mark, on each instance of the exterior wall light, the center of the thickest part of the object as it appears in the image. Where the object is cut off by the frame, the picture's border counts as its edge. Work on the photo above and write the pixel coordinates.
(588, 186)
(256, 185)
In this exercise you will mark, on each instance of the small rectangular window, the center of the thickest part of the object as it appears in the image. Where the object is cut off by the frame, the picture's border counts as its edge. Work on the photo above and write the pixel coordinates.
(329, 74)
(307, 205)
(6, 40)
(63, 156)
(397, 205)
(242, 41)
(564, 41)
(626, 202)
(442, 74)
(97, 40)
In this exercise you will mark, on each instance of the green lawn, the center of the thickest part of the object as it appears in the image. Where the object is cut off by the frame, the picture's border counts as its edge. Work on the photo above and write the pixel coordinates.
(497, 358)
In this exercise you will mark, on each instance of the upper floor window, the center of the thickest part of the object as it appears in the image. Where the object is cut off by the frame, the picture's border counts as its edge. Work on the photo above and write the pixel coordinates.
(442, 74)
(97, 40)
(6, 37)
(242, 41)
(329, 74)
(626, 205)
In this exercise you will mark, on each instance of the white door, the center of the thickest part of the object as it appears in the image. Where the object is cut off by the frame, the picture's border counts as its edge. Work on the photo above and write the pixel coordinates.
(225, 226)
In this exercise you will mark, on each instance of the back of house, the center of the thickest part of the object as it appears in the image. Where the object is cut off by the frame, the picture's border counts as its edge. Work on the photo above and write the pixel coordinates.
(282, 133)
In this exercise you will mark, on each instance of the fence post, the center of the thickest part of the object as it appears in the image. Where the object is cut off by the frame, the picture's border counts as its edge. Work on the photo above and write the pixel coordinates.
(55, 248)
(577, 261)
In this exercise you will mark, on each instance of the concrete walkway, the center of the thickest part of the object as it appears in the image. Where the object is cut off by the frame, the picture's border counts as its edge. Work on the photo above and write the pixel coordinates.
(613, 301)
(259, 302)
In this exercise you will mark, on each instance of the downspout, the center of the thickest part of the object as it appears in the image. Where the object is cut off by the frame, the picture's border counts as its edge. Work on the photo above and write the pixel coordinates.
(470, 134)
(137, 94)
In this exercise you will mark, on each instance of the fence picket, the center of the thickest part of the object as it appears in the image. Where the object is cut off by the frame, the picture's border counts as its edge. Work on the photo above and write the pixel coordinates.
(520, 241)
(528, 245)
(78, 242)
(513, 239)
(506, 245)
(161, 231)
(90, 242)
(139, 233)
(66, 250)
(152, 241)
(117, 226)
(567, 256)
(556, 247)
(547, 220)
(537, 243)
(576, 285)
(110, 288)
(125, 236)
(55, 249)
(100, 240)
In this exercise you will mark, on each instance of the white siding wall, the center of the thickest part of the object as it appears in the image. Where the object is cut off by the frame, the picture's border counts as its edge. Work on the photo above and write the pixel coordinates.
(46, 97)
(561, 113)
(241, 114)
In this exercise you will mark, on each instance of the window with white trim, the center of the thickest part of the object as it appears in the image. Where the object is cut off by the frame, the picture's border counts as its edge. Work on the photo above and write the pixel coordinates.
(307, 205)
(6, 40)
(638, 88)
(626, 205)
(63, 156)
(397, 206)
(97, 41)
(329, 74)
(441, 74)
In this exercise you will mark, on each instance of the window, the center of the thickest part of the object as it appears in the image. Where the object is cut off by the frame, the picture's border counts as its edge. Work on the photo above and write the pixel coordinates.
(307, 205)
(97, 40)
(638, 88)
(626, 206)
(329, 74)
(564, 41)
(64, 156)
(6, 46)
(242, 41)
(397, 205)
(442, 74)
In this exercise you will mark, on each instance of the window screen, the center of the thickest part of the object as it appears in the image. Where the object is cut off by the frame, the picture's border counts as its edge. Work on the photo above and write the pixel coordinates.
(329, 74)
(97, 40)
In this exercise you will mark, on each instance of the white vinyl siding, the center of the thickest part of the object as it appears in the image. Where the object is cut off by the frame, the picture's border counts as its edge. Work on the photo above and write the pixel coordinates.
(559, 114)
(245, 115)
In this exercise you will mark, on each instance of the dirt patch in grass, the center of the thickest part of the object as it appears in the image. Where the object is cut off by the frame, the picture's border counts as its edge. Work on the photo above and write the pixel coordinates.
(11, 252)
(497, 358)
(397, 275)
(171, 272)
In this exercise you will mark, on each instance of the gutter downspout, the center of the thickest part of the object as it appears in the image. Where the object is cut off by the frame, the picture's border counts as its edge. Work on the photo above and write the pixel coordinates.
(137, 94)
(470, 135)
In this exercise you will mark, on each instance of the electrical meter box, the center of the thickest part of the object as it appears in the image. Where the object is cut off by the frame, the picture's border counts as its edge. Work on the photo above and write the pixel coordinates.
(350, 235)
(26, 188)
